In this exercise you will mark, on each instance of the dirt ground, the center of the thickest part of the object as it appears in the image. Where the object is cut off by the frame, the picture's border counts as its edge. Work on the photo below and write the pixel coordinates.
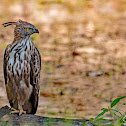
(83, 49)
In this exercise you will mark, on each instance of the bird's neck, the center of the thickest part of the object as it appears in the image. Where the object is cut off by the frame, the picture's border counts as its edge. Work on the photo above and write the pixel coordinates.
(23, 44)
(19, 38)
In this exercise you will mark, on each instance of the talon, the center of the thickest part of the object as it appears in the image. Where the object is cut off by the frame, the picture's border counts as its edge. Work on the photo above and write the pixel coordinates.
(14, 111)
(22, 112)
(19, 112)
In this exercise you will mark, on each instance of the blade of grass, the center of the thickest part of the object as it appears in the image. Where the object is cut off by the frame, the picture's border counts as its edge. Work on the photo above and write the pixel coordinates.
(102, 113)
(116, 101)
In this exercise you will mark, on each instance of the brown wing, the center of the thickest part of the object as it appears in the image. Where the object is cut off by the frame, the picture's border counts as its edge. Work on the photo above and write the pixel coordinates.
(35, 78)
(6, 56)
(5, 66)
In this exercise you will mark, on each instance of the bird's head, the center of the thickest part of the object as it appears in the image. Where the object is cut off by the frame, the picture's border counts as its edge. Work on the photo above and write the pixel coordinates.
(22, 28)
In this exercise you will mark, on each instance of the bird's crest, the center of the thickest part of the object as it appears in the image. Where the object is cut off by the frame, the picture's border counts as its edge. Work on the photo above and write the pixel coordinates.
(12, 23)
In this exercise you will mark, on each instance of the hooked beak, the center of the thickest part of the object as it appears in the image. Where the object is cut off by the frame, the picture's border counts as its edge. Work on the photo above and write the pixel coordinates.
(36, 31)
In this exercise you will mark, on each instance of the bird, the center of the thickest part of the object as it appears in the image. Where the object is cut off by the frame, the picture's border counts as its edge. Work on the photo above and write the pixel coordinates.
(22, 66)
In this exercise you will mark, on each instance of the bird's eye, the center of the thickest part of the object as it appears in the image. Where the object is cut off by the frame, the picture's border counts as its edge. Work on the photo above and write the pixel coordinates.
(27, 29)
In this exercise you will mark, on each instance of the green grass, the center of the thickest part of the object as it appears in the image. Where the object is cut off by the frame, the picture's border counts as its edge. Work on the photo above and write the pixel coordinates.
(117, 117)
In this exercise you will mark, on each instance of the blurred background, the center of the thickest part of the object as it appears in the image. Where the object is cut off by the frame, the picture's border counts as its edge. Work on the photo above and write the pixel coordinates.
(83, 49)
